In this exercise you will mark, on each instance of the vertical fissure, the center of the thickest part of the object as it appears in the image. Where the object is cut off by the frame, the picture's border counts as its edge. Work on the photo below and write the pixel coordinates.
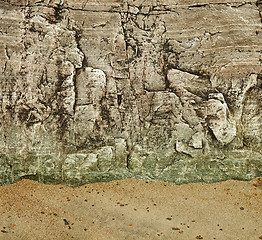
(78, 36)
(124, 19)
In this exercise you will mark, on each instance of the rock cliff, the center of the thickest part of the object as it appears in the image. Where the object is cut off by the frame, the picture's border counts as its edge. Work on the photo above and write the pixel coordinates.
(95, 90)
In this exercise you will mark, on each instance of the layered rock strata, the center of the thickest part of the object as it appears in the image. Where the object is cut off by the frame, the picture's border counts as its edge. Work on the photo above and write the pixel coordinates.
(96, 90)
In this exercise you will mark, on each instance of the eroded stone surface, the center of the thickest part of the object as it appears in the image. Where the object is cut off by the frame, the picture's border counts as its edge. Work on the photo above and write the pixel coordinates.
(101, 90)
(219, 118)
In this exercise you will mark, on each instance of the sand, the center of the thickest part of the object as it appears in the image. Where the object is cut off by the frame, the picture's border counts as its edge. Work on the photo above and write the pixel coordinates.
(132, 209)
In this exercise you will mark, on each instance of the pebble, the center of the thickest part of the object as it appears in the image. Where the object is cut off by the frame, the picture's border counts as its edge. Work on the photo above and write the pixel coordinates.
(175, 228)
(199, 237)
(67, 223)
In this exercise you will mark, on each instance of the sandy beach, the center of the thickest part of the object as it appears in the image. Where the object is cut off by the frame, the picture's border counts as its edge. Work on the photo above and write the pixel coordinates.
(132, 209)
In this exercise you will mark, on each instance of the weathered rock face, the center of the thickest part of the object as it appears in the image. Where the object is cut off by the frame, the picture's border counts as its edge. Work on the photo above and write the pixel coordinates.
(158, 89)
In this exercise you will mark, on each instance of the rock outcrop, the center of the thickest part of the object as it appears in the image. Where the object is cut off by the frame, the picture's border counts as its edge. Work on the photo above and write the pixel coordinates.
(96, 90)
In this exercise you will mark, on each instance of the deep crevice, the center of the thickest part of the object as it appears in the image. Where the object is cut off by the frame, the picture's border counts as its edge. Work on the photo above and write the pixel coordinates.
(198, 5)
(78, 36)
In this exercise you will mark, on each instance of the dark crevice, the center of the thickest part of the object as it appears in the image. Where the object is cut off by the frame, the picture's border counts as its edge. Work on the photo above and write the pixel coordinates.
(119, 99)
(166, 64)
(128, 160)
(156, 90)
(57, 14)
(6, 53)
(200, 73)
(259, 80)
(198, 5)
(78, 36)
(34, 177)
(75, 89)
(124, 22)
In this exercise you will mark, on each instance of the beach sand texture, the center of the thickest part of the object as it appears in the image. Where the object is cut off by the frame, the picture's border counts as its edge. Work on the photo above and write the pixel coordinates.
(132, 209)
